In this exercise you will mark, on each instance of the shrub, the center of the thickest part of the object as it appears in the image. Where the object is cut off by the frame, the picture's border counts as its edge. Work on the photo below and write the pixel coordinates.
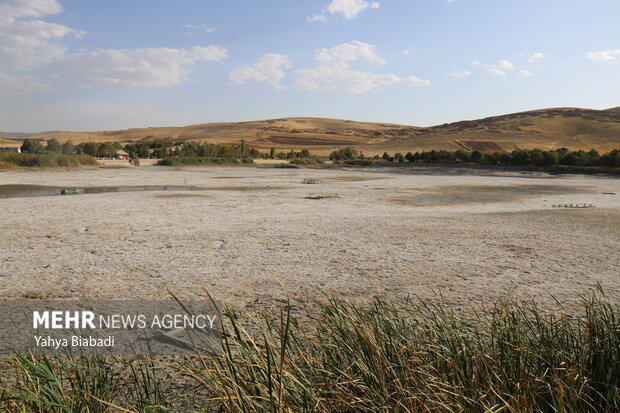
(307, 161)
(362, 162)
(197, 160)
(12, 159)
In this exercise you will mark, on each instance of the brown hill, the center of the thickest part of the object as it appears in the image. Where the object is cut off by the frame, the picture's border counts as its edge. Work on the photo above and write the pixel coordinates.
(547, 128)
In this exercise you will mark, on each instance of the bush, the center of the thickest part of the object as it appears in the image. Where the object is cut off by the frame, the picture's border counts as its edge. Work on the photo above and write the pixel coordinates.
(307, 161)
(344, 154)
(362, 162)
(196, 160)
(13, 159)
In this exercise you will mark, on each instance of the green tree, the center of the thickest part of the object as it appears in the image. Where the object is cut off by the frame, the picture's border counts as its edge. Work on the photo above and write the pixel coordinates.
(106, 149)
(68, 147)
(31, 146)
(462, 156)
(91, 148)
(53, 146)
(272, 153)
(476, 156)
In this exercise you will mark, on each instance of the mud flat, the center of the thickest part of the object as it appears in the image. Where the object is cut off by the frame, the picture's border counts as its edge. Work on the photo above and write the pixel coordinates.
(258, 239)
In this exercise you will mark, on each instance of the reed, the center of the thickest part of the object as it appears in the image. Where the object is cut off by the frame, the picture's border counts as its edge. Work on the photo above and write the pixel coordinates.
(373, 357)
(26, 160)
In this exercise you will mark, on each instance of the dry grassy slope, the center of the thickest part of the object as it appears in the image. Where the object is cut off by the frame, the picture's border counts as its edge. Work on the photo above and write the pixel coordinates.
(547, 128)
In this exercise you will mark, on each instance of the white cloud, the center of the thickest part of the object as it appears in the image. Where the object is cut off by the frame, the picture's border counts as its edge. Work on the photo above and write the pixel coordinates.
(499, 69)
(137, 67)
(340, 77)
(350, 9)
(475, 63)
(334, 72)
(269, 68)
(525, 73)
(535, 57)
(349, 52)
(414, 81)
(28, 8)
(606, 56)
(496, 72)
(20, 84)
(459, 73)
(317, 18)
(197, 29)
(26, 42)
(505, 64)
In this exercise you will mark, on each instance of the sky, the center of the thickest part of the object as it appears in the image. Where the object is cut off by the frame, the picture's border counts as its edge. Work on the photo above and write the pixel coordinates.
(116, 64)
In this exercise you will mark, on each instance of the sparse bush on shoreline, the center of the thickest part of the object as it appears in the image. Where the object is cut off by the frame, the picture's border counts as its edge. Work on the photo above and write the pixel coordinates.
(49, 160)
(377, 357)
(197, 160)
(361, 162)
(307, 161)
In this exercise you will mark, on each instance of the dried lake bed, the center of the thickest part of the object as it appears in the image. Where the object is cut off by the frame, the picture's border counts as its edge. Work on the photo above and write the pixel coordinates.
(254, 237)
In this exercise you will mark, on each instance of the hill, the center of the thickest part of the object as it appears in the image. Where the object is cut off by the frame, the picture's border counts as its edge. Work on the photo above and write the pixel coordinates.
(573, 128)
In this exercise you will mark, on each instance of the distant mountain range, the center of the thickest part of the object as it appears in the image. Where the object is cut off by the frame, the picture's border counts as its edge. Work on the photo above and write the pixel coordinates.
(573, 128)
(23, 134)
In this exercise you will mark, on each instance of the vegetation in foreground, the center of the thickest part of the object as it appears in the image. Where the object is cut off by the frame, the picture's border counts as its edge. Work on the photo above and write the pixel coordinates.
(16, 160)
(378, 357)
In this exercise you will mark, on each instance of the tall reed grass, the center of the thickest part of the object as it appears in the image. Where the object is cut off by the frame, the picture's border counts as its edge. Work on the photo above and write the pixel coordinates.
(15, 160)
(376, 357)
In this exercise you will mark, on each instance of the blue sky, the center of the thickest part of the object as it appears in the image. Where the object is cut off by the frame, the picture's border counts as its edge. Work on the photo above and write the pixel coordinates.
(91, 65)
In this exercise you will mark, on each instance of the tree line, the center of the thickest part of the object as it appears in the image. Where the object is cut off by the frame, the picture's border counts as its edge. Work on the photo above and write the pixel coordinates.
(518, 157)
(160, 149)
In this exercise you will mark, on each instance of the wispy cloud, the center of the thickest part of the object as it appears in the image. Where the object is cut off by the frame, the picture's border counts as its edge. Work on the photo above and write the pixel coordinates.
(506, 65)
(197, 29)
(148, 67)
(458, 73)
(269, 68)
(349, 52)
(26, 41)
(535, 57)
(317, 18)
(606, 56)
(22, 83)
(350, 9)
(335, 72)
(500, 68)
(341, 77)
